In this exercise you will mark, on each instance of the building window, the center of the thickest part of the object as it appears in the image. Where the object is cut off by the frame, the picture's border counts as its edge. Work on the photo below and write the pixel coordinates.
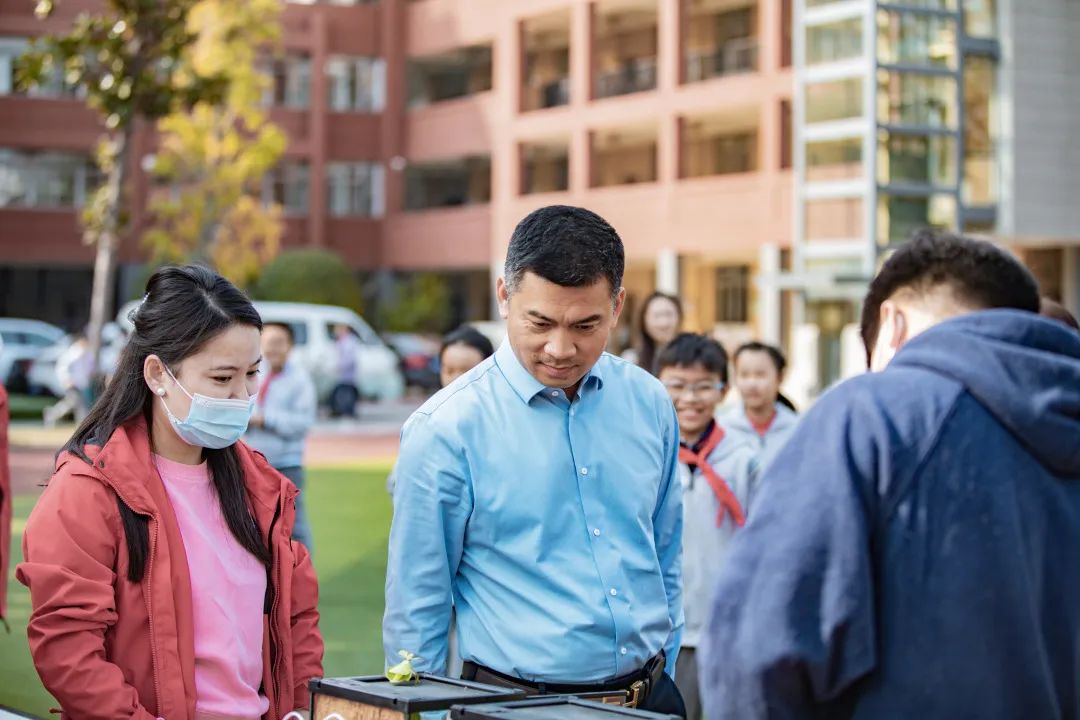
(733, 294)
(10, 51)
(901, 215)
(288, 185)
(719, 42)
(710, 148)
(545, 167)
(834, 42)
(357, 84)
(455, 74)
(834, 100)
(449, 183)
(291, 82)
(980, 132)
(980, 18)
(923, 160)
(51, 86)
(912, 99)
(354, 189)
(906, 38)
(45, 180)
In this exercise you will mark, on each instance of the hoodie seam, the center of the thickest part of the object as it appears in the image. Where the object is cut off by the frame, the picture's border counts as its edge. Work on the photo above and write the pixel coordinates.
(893, 501)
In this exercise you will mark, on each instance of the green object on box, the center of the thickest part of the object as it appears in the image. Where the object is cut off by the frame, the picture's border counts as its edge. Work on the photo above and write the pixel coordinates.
(403, 673)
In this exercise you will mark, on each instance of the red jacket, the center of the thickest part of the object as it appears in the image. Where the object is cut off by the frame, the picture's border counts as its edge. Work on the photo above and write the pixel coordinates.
(5, 502)
(109, 648)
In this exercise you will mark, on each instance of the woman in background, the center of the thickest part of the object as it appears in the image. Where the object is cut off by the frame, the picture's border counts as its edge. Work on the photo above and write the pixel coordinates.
(659, 322)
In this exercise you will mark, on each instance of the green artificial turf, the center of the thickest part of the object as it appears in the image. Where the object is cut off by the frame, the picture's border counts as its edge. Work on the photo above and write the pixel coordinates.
(350, 513)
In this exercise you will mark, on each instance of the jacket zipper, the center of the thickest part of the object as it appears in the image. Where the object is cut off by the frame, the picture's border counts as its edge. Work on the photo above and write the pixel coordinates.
(275, 653)
(148, 581)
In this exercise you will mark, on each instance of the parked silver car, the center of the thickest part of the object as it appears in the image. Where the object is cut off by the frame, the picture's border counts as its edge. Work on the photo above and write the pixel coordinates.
(43, 377)
(23, 341)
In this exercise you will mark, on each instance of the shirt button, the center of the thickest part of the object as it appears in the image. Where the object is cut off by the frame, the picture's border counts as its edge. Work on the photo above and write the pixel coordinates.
(623, 650)
(585, 471)
(614, 592)
(596, 532)
(554, 393)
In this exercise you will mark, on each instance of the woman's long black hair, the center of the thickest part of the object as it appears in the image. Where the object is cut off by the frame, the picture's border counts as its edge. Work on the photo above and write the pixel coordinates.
(184, 308)
(646, 345)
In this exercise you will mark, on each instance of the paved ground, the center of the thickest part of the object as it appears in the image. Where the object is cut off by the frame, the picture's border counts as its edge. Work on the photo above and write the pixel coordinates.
(373, 437)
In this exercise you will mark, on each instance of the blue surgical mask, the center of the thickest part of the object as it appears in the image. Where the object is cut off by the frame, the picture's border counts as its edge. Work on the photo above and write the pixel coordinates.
(212, 423)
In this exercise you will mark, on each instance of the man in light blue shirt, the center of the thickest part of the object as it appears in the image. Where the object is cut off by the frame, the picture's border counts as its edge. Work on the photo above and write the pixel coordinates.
(538, 492)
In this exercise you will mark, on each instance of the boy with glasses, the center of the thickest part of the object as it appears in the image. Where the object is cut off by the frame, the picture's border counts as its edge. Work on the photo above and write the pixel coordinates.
(718, 480)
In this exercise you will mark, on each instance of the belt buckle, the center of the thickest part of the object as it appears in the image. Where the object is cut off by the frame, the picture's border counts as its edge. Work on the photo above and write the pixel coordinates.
(637, 690)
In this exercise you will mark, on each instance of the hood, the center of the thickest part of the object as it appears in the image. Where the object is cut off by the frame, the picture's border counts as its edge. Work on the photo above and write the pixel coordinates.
(1024, 369)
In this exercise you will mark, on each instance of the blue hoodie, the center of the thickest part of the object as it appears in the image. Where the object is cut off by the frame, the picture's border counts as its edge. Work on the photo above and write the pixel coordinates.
(914, 551)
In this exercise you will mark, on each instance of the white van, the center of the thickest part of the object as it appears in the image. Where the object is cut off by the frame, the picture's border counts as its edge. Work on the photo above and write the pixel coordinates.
(378, 375)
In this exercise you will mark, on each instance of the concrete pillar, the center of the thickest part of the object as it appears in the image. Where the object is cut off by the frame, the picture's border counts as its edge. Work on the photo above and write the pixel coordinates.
(770, 34)
(667, 271)
(581, 81)
(768, 294)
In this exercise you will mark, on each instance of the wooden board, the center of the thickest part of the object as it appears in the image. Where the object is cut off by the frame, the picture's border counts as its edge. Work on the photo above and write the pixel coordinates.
(351, 710)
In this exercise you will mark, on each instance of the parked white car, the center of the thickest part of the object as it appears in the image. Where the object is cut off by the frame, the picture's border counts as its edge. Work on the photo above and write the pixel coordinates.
(23, 341)
(378, 376)
(43, 377)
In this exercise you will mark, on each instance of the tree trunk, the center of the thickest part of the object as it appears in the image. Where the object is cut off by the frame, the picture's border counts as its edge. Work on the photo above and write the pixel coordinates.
(108, 242)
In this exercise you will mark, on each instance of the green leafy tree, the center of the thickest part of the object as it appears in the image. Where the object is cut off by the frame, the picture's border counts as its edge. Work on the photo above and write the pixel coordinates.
(211, 159)
(311, 276)
(131, 57)
(420, 304)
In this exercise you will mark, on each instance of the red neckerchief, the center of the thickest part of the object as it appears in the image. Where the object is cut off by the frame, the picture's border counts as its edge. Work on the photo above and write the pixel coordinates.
(271, 377)
(762, 428)
(729, 504)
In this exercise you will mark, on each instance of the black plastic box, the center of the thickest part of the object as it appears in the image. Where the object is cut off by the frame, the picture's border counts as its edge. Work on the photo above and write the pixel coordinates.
(553, 707)
(372, 697)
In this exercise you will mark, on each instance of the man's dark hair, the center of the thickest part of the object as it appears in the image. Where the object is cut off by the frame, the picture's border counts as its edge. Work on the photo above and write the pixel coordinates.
(284, 326)
(978, 273)
(690, 349)
(568, 246)
(773, 352)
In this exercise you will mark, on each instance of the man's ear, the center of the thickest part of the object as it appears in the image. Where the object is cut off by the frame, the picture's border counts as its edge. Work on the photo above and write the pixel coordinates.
(620, 303)
(502, 297)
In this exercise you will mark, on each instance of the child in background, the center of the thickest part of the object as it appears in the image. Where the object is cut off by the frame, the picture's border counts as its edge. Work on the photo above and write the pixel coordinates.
(718, 482)
(763, 418)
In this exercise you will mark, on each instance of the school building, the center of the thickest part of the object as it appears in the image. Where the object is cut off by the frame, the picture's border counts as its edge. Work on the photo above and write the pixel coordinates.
(758, 157)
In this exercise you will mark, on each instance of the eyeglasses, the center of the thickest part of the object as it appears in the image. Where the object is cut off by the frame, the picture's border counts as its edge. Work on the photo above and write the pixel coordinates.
(677, 389)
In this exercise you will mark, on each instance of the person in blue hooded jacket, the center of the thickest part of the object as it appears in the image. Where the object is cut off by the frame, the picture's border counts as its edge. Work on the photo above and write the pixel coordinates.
(914, 551)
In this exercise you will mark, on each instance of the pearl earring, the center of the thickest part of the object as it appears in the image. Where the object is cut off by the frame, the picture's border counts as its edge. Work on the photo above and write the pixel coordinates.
(161, 392)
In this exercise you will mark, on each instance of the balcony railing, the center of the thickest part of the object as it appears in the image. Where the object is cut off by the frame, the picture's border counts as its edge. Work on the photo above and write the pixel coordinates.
(635, 75)
(732, 58)
(553, 93)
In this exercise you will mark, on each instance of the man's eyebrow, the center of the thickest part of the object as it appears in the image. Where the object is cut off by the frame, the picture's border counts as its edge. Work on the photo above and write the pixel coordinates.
(538, 316)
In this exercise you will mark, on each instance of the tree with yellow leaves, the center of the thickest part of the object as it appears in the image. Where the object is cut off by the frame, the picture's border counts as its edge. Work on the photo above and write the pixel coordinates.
(211, 159)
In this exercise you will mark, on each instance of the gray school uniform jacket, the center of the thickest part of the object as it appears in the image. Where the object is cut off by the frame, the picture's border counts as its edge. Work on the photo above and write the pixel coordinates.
(735, 423)
(704, 540)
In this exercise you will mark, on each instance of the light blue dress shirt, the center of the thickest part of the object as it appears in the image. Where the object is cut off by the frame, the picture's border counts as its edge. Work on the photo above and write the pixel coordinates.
(555, 527)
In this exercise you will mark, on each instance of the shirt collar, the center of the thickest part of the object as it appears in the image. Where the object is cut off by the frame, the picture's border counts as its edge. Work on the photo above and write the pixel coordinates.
(524, 384)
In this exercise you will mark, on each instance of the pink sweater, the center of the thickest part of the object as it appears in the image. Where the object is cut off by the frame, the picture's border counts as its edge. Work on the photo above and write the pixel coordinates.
(228, 588)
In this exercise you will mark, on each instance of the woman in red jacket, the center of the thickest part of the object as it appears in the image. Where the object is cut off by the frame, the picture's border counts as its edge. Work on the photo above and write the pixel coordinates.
(163, 580)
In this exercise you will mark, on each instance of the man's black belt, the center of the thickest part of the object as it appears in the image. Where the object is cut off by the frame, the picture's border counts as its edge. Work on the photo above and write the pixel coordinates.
(627, 690)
